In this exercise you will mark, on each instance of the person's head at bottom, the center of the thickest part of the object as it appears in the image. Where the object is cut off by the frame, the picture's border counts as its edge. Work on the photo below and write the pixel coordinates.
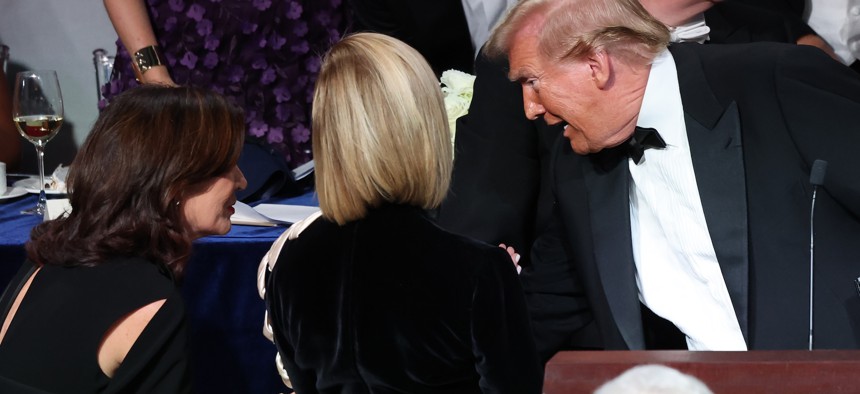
(380, 129)
(653, 379)
(157, 171)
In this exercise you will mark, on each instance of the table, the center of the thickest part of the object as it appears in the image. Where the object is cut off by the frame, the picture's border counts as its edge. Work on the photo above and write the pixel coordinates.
(736, 372)
(229, 352)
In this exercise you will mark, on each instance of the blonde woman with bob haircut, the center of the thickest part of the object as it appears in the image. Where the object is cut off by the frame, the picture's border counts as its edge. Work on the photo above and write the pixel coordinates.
(371, 295)
(380, 130)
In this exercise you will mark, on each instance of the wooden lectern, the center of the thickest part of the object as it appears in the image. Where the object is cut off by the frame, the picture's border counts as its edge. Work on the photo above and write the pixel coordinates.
(777, 371)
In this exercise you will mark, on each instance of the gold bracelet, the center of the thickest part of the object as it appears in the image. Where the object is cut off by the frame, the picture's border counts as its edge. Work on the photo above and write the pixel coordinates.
(146, 58)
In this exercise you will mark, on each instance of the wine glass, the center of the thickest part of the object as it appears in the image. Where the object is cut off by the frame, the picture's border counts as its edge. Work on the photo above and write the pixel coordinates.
(37, 109)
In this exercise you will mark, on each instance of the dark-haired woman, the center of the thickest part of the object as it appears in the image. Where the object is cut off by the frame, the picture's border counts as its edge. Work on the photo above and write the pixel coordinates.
(95, 308)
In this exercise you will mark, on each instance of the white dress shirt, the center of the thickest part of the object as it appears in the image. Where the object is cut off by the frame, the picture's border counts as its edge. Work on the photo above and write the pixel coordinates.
(677, 271)
(838, 23)
(482, 15)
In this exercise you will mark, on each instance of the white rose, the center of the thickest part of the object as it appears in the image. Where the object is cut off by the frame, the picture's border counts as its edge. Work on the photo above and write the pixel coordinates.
(456, 107)
(457, 82)
(457, 92)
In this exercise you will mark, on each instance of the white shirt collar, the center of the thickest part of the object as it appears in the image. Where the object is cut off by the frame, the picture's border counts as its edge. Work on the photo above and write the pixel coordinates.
(661, 105)
(693, 31)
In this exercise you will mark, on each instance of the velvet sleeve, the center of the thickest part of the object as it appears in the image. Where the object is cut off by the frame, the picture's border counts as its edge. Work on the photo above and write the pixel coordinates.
(301, 380)
(506, 359)
(559, 309)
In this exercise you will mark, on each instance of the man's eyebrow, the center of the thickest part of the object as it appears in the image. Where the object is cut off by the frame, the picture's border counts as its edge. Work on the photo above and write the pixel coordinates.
(516, 75)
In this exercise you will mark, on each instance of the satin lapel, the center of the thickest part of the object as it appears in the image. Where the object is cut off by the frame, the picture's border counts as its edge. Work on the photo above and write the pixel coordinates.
(607, 178)
(714, 133)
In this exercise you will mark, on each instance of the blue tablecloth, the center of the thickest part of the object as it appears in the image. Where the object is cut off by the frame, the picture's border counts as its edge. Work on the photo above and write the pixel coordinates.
(229, 352)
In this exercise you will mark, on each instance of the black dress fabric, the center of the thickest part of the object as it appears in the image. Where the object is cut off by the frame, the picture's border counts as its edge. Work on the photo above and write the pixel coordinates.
(394, 304)
(53, 340)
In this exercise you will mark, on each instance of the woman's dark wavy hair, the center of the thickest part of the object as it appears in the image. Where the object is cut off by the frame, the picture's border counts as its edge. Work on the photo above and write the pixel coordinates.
(148, 149)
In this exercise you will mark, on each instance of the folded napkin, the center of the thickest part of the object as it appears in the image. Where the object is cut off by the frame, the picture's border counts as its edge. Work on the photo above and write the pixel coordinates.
(58, 178)
(57, 207)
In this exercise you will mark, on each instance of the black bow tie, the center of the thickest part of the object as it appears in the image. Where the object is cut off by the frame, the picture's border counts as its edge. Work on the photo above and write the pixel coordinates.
(643, 138)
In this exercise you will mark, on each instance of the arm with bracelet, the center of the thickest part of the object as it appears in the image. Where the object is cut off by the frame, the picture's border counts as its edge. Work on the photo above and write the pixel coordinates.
(131, 22)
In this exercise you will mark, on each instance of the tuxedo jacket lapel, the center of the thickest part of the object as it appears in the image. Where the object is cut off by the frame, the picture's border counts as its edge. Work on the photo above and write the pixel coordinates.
(714, 133)
(606, 178)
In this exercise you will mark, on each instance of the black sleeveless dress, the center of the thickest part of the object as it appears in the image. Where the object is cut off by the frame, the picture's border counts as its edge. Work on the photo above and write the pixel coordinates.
(52, 343)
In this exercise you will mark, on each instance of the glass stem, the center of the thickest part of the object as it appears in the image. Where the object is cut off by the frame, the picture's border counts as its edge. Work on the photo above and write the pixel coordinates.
(40, 153)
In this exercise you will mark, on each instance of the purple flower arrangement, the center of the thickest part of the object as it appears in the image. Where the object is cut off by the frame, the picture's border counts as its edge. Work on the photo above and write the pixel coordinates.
(262, 54)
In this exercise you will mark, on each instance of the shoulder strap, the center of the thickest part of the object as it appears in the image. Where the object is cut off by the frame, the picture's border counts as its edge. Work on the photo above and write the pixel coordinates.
(14, 287)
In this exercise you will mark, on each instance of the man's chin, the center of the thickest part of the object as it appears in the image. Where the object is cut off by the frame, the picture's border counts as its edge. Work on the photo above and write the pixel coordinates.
(580, 148)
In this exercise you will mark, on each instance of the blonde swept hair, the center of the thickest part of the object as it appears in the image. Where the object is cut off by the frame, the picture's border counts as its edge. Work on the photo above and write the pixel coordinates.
(380, 131)
(572, 29)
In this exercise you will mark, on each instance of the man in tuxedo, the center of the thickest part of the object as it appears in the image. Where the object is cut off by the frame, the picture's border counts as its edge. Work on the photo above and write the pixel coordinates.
(498, 147)
(501, 189)
(703, 228)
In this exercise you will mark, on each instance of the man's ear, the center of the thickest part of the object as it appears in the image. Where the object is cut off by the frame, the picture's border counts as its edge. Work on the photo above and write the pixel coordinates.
(600, 65)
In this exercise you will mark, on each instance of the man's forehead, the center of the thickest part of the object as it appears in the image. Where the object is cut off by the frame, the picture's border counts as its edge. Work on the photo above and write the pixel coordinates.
(522, 70)
(524, 56)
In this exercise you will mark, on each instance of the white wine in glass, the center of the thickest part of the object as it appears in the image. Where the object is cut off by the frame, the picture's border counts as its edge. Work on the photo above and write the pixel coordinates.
(37, 109)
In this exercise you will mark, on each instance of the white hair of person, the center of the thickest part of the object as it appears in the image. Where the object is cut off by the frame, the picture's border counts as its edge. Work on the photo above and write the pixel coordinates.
(653, 379)
(573, 29)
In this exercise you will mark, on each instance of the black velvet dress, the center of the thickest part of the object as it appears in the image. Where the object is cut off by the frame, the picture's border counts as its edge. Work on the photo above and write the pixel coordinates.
(52, 343)
(394, 304)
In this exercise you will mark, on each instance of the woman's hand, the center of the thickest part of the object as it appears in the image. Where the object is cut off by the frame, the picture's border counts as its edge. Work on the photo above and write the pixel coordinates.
(130, 19)
(515, 257)
(157, 76)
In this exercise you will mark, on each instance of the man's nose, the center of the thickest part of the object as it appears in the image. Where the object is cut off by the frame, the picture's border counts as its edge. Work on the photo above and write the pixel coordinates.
(532, 107)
